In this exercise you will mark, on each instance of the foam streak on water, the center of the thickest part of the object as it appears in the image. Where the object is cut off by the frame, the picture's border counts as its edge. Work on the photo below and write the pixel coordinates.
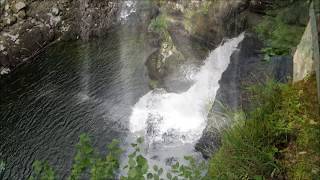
(164, 117)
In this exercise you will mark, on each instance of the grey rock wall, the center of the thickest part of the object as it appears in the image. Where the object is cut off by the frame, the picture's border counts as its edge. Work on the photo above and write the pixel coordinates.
(27, 26)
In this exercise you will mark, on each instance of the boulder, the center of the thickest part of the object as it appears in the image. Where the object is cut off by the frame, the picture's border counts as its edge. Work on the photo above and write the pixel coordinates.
(19, 5)
(10, 20)
(22, 14)
(209, 142)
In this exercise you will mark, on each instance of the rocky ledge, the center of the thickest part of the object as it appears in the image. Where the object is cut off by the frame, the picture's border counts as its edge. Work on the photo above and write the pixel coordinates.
(27, 26)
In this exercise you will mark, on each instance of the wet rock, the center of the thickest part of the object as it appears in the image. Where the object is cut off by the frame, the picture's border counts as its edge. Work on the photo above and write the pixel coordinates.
(7, 7)
(4, 71)
(154, 65)
(209, 142)
(55, 11)
(10, 20)
(2, 47)
(1, 26)
(19, 6)
(22, 14)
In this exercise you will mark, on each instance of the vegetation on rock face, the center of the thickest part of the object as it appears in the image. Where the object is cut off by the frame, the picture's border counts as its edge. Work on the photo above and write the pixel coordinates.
(159, 25)
(278, 139)
(282, 27)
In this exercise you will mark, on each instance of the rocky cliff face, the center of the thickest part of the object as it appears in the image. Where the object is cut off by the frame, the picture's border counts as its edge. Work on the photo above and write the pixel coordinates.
(27, 26)
(194, 28)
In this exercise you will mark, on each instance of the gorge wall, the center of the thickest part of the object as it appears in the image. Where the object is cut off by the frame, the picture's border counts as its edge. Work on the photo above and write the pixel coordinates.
(27, 26)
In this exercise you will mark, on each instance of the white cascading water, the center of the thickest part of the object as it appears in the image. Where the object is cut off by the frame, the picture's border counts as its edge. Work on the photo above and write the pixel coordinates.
(170, 118)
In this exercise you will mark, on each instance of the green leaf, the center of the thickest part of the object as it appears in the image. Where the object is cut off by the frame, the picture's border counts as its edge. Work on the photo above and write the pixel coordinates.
(149, 176)
(258, 178)
(156, 177)
(169, 175)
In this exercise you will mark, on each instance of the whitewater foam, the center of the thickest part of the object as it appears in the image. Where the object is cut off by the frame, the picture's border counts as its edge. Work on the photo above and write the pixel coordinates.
(182, 117)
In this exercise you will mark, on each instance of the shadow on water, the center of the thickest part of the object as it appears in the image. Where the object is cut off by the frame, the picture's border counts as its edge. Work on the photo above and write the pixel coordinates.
(70, 89)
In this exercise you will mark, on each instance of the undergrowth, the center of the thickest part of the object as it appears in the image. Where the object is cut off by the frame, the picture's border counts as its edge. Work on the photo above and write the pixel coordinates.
(278, 139)
(88, 164)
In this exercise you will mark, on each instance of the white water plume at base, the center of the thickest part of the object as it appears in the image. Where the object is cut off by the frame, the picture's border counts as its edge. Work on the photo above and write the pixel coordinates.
(170, 118)
(171, 123)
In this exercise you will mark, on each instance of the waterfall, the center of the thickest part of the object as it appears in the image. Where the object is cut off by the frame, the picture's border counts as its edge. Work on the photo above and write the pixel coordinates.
(171, 118)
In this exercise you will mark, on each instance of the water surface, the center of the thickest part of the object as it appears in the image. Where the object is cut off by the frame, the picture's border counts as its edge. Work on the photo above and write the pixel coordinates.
(70, 89)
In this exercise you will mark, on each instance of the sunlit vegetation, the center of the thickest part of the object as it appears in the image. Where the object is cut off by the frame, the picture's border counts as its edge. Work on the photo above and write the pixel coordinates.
(278, 139)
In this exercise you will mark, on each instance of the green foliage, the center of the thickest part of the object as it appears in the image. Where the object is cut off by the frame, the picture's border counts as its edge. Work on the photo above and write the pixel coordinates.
(84, 157)
(255, 146)
(160, 26)
(137, 167)
(87, 159)
(42, 171)
(107, 167)
(137, 164)
(282, 28)
(192, 171)
(86, 163)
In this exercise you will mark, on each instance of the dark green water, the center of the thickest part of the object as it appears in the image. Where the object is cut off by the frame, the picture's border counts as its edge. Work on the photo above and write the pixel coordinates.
(70, 89)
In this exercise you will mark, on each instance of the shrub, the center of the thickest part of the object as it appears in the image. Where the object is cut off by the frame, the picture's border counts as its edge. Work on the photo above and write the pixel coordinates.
(160, 25)
(88, 164)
